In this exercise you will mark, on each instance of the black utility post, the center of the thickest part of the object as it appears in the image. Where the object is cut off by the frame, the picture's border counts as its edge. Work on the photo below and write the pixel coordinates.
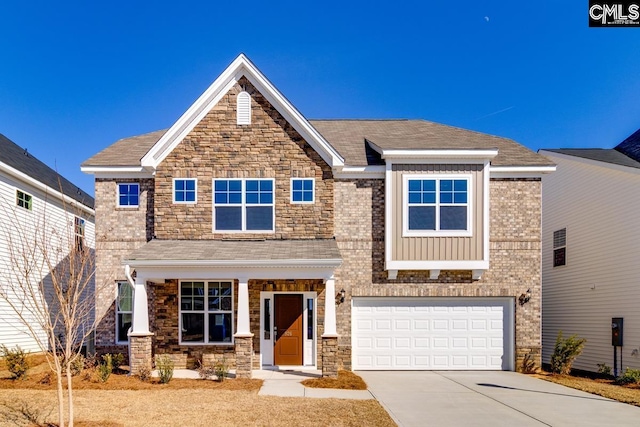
(616, 341)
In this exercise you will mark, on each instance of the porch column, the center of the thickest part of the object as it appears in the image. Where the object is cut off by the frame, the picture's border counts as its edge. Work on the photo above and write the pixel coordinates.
(243, 336)
(139, 334)
(330, 336)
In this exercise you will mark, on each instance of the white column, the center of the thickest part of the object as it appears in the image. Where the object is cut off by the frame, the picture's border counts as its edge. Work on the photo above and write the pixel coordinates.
(242, 325)
(140, 325)
(330, 329)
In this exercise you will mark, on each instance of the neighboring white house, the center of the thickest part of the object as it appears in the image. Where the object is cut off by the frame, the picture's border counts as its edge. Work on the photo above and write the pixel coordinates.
(35, 201)
(591, 248)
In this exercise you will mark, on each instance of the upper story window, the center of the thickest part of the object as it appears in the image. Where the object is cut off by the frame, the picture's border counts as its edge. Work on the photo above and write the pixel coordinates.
(79, 233)
(302, 190)
(24, 200)
(560, 247)
(436, 206)
(206, 312)
(184, 190)
(128, 195)
(243, 205)
(124, 312)
(243, 109)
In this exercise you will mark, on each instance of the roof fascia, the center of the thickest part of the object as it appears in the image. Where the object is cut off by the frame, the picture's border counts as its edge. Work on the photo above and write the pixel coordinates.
(280, 263)
(520, 171)
(591, 162)
(241, 66)
(420, 155)
(45, 188)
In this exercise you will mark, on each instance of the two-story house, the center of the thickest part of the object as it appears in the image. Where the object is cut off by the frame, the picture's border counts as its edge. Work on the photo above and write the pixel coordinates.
(270, 240)
(39, 208)
(590, 247)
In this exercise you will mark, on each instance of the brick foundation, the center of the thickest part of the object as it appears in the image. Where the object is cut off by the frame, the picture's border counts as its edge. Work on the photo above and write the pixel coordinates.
(140, 353)
(244, 356)
(330, 357)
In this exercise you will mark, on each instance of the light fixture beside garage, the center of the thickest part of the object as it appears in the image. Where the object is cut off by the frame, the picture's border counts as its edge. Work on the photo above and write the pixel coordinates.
(340, 296)
(524, 298)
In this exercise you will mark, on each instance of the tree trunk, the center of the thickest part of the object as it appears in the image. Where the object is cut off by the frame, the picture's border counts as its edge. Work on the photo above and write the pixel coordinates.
(60, 393)
(70, 392)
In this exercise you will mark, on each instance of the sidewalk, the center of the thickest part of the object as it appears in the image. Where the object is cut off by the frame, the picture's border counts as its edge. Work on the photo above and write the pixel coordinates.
(287, 384)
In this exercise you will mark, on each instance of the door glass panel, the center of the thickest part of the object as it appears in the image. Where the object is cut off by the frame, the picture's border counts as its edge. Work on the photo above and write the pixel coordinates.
(310, 318)
(267, 319)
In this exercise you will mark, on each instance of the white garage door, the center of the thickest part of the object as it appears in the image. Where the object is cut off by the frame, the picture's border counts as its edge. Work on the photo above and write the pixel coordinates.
(432, 333)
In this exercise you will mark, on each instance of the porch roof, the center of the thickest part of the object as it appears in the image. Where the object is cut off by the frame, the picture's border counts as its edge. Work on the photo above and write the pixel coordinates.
(317, 252)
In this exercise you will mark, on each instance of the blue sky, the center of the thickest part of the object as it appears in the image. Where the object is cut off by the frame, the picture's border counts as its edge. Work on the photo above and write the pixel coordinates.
(76, 76)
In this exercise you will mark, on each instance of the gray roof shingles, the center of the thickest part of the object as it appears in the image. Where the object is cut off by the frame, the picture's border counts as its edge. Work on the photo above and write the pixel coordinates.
(20, 159)
(232, 250)
(349, 138)
(605, 155)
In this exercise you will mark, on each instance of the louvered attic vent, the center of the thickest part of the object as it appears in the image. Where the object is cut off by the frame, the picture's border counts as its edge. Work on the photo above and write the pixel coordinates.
(244, 108)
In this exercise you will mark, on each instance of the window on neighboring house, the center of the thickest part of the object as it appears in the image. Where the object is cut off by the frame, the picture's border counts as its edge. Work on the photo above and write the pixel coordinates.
(79, 233)
(243, 109)
(243, 205)
(206, 312)
(302, 190)
(24, 200)
(184, 190)
(560, 247)
(124, 312)
(436, 205)
(128, 195)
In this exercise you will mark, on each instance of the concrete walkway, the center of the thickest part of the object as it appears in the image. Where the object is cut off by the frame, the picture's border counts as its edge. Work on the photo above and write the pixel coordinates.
(287, 384)
(464, 398)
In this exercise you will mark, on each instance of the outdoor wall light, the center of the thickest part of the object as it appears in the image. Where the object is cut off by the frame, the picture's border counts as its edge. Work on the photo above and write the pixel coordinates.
(340, 296)
(524, 298)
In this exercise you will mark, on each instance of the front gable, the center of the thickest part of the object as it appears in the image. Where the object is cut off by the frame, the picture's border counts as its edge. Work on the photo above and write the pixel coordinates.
(218, 149)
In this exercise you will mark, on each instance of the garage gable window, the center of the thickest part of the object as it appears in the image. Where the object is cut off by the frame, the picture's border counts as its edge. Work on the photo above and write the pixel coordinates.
(436, 205)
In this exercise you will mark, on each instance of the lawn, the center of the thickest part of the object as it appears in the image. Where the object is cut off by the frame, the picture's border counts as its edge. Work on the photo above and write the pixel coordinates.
(127, 401)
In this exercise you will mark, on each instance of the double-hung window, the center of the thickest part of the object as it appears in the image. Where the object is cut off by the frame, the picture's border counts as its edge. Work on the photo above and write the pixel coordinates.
(128, 195)
(243, 205)
(560, 247)
(206, 312)
(302, 190)
(124, 312)
(185, 190)
(436, 206)
(79, 233)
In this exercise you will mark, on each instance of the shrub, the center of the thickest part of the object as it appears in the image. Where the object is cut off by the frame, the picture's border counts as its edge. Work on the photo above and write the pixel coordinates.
(630, 376)
(529, 364)
(604, 369)
(565, 353)
(205, 371)
(77, 366)
(117, 360)
(144, 373)
(16, 361)
(221, 370)
(105, 368)
(164, 364)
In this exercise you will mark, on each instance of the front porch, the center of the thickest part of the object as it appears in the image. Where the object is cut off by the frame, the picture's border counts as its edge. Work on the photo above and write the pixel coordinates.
(253, 314)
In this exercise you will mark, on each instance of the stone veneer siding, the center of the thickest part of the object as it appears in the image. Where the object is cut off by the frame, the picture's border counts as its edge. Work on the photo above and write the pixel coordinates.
(515, 256)
(118, 232)
(164, 321)
(267, 148)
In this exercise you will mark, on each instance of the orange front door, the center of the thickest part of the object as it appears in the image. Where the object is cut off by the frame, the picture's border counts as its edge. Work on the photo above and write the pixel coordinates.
(289, 333)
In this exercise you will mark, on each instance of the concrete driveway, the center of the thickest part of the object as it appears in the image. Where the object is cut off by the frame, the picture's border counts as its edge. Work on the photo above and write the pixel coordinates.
(464, 398)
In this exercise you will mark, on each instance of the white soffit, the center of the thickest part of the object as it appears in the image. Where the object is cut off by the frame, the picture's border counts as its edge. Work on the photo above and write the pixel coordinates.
(240, 67)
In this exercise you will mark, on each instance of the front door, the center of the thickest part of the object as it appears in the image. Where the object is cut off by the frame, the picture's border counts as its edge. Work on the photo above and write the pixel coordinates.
(288, 329)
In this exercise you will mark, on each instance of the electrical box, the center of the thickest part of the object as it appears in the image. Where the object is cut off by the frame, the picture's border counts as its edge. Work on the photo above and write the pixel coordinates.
(616, 331)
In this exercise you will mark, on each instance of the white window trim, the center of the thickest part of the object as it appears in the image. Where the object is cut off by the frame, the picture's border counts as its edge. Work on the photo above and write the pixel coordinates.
(436, 233)
(206, 312)
(26, 194)
(243, 205)
(118, 195)
(313, 191)
(124, 283)
(173, 191)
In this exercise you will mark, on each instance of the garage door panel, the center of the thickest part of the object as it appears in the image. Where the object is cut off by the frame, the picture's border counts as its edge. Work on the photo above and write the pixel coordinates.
(428, 333)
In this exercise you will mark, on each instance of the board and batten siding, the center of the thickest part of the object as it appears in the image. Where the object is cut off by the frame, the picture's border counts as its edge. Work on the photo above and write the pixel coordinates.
(438, 248)
(599, 206)
(18, 225)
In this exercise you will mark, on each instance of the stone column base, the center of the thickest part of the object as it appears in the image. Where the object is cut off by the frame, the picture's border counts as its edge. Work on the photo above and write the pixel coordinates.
(244, 356)
(330, 357)
(139, 353)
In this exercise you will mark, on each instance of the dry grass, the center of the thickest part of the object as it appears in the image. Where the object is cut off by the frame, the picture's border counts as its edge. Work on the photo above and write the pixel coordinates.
(602, 387)
(127, 401)
(346, 380)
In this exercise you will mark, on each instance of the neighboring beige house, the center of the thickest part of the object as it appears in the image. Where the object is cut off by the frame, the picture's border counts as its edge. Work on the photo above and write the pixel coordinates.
(35, 202)
(590, 268)
(270, 240)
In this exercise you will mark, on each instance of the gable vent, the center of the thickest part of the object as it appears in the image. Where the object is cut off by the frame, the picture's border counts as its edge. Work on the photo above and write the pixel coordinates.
(244, 108)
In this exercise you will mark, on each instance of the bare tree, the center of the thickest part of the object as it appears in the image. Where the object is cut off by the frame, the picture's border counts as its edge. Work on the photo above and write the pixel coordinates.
(48, 281)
